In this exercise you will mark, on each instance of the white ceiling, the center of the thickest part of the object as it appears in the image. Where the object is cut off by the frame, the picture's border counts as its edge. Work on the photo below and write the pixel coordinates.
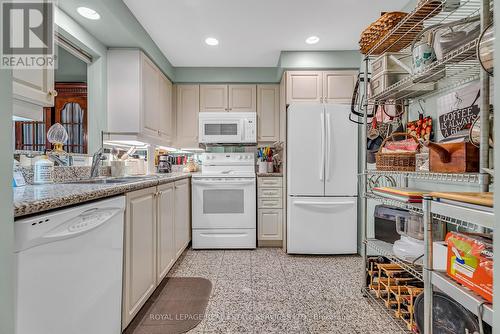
(253, 32)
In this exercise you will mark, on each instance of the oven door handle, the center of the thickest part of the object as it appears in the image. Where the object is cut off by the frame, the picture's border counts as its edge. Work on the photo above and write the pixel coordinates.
(201, 183)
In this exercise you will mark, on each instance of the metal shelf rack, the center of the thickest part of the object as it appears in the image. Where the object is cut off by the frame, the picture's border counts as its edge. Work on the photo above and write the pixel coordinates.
(459, 67)
(385, 249)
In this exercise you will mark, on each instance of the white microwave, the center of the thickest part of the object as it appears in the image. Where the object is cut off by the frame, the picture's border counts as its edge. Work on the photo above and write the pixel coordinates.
(228, 127)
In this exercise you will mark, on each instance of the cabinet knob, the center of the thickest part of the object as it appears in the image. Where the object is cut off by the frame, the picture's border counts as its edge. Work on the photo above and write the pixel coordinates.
(52, 92)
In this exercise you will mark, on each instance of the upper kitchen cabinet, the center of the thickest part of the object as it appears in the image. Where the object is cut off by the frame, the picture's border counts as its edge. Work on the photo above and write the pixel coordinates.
(320, 86)
(268, 113)
(228, 98)
(188, 107)
(304, 86)
(32, 90)
(213, 98)
(338, 86)
(242, 98)
(139, 97)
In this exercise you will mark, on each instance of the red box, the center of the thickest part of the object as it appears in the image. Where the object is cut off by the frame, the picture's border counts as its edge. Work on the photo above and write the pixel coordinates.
(470, 262)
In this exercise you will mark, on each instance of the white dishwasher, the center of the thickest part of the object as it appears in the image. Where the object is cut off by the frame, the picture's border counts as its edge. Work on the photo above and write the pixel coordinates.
(69, 270)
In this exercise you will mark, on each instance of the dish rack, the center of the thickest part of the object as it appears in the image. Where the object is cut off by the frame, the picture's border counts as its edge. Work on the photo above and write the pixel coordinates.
(453, 70)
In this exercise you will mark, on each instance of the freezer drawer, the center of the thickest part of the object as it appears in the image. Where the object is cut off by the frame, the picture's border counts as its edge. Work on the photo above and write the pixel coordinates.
(224, 238)
(322, 225)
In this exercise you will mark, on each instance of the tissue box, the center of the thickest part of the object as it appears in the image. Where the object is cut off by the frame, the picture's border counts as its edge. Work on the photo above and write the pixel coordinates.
(470, 262)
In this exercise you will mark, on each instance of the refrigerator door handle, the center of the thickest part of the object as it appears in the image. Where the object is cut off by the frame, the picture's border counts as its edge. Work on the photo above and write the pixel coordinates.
(328, 145)
(322, 164)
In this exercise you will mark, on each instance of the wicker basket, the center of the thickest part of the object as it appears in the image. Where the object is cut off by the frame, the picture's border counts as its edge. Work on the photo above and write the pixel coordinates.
(398, 162)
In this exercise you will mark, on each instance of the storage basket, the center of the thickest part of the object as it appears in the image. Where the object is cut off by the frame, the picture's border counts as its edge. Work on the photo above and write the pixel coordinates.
(400, 162)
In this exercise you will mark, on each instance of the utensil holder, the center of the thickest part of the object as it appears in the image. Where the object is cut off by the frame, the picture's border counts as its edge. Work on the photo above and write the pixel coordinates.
(262, 166)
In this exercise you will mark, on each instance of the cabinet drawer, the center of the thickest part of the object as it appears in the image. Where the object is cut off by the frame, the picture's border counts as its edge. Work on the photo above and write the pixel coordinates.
(275, 203)
(270, 192)
(270, 182)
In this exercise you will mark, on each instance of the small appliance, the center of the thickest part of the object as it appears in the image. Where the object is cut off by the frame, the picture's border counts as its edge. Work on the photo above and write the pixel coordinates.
(228, 127)
(165, 163)
(224, 202)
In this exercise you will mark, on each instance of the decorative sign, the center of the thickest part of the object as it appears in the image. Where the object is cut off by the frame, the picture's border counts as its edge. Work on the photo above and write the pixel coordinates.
(457, 111)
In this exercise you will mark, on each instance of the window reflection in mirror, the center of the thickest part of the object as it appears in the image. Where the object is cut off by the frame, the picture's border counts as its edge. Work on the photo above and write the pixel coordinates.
(70, 109)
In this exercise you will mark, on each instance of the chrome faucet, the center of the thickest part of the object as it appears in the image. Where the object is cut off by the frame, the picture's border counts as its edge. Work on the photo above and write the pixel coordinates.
(96, 162)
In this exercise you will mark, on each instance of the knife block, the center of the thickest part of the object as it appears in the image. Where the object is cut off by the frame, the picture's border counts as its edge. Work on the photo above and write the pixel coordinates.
(453, 158)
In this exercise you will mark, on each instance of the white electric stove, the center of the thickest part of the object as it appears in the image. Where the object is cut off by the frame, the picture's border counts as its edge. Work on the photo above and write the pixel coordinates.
(224, 202)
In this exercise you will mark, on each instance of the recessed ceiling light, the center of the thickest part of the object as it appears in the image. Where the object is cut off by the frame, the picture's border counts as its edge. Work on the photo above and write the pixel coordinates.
(88, 13)
(312, 40)
(212, 41)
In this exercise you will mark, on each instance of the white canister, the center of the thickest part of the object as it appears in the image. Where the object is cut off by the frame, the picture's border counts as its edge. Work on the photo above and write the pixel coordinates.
(262, 166)
(270, 167)
(423, 56)
(43, 171)
(118, 168)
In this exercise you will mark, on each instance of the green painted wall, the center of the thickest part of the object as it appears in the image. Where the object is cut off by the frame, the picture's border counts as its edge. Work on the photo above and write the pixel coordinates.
(6, 215)
(225, 74)
(70, 68)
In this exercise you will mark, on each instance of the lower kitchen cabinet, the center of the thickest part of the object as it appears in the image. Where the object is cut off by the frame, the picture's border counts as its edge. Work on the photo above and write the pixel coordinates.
(270, 224)
(182, 228)
(157, 231)
(166, 252)
(139, 279)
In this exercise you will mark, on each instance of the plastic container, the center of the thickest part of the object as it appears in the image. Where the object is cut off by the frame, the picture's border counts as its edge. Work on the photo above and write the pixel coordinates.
(43, 171)
(413, 226)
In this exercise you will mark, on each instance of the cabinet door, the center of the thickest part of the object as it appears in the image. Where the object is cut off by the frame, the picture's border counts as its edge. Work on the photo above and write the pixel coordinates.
(150, 97)
(165, 231)
(139, 279)
(34, 86)
(268, 113)
(338, 86)
(165, 108)
(270, 224)
(242, 98)
(188, 107)
(182, 221)
(213, 98)
(304, 86)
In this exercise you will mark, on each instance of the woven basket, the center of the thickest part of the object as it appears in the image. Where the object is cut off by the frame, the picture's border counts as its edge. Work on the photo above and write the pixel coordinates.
(398, 162)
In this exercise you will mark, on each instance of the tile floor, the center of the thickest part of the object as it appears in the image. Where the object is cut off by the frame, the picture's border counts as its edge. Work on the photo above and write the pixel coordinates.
(268, 291)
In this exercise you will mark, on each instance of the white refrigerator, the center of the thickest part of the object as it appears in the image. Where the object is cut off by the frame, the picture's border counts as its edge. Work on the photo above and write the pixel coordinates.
(322, 155)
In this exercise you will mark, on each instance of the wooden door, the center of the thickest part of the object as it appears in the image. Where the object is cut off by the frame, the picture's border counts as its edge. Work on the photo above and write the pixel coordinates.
(165, 109)
(270, 224)
(165, 230)
(304, 86)
(71, 110)
(139, 279)
(213, 98)
(150, 97)
(242, 98)
(182, 216)
(188, 108)
(338, 86)
(268, 113)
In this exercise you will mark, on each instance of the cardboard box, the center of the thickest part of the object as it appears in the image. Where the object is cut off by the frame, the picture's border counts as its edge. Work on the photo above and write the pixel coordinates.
(470, 262)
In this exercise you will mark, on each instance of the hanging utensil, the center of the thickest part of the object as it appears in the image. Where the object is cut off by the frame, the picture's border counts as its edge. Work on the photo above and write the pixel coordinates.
(373, 132)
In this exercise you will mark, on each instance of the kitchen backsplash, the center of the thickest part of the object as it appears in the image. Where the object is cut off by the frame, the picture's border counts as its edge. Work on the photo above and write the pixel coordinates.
(65, 174)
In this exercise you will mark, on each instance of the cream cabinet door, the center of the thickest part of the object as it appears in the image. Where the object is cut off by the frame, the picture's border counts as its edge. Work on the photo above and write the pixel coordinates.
(304, 86)
(182, 220)
(165, 108)
(270, 224)
(139, 278)
(213, 98)
(268, 113)
(165, 230)
(34, 86)
(338, 86)
(242, 98)
(188, 107)
(150, 97)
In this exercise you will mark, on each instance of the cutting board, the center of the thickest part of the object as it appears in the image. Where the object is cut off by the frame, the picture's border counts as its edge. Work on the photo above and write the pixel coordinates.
(402, 191)
(478, 198)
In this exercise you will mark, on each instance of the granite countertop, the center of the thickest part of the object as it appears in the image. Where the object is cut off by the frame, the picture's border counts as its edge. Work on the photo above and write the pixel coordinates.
(277, 174)
(33, 199)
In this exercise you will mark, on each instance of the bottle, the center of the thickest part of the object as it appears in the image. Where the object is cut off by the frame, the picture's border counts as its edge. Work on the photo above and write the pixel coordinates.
(43, 172)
